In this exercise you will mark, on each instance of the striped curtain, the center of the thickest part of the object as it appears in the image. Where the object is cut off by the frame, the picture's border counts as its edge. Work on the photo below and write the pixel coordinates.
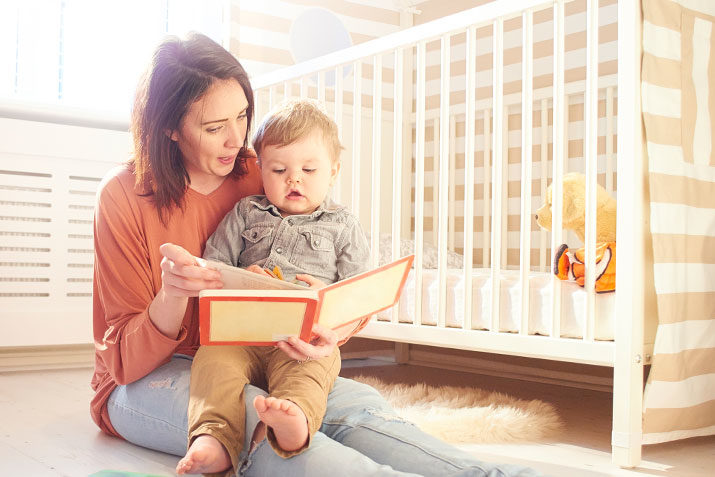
(678, 98)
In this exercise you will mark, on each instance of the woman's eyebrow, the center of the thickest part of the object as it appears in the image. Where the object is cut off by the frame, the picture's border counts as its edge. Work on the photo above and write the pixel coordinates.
(214, 121)
(224, 119)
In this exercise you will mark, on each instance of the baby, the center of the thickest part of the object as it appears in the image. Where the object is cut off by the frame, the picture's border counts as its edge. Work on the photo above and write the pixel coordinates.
(297, 227)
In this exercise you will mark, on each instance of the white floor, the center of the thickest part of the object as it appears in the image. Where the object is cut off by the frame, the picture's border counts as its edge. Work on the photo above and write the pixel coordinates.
(45, 430)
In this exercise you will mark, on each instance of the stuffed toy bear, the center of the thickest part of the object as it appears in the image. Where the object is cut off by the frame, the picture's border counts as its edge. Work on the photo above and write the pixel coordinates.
(569, 264)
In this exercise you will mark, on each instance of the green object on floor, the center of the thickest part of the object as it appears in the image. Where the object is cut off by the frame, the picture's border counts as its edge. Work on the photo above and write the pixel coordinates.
(121, 473)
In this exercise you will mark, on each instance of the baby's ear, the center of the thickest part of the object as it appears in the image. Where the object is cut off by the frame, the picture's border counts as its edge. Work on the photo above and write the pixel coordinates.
(334, 171)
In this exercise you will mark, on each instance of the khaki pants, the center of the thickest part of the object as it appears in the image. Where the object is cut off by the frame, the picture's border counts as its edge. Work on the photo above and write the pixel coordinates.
(219, 373)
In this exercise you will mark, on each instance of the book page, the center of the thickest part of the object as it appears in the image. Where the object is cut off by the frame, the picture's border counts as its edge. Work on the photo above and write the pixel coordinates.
(256, 320)
(235, 278)
(363, 295)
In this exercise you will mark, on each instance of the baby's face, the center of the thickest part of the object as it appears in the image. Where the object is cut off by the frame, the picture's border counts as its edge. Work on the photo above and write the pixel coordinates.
(297, 177)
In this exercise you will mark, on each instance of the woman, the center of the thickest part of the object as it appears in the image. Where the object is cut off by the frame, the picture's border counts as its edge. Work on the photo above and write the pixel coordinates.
(153, 217)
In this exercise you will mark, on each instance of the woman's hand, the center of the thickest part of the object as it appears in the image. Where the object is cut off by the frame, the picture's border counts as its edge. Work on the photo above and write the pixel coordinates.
(183, 275)
(310, 280)
(323, 343)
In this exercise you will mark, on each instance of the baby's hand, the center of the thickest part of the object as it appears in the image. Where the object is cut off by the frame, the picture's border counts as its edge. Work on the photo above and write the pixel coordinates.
(310, 280)
(259, 270)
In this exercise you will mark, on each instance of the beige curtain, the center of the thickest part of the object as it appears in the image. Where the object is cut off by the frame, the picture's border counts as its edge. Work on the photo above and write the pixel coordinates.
(678, 98)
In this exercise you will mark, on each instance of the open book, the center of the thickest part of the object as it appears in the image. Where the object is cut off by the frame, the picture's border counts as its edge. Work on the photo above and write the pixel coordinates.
(253, 309)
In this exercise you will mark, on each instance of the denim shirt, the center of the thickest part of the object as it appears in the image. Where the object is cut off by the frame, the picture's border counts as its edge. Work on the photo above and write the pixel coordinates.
(328, 244)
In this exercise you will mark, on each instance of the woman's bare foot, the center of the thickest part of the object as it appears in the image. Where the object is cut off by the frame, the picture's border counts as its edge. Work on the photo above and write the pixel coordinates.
(205, 455)
(287, 420)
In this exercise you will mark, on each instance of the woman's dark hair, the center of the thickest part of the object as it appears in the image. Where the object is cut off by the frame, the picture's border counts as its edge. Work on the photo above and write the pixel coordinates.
(180, 73)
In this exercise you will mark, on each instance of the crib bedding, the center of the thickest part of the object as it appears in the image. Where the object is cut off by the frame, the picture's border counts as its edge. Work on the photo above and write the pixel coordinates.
(573, 299)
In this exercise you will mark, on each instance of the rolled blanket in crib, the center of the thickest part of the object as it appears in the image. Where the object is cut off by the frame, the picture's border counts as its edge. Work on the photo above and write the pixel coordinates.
(569, 265)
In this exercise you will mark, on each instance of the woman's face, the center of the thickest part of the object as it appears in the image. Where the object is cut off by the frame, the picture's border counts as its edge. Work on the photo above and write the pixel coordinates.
(211, 134)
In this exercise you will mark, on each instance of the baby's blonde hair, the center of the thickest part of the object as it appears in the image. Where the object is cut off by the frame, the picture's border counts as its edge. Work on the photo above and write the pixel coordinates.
(291, 121)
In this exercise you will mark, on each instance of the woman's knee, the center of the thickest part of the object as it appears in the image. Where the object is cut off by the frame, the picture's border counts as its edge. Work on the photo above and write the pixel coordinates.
(346, 391)
(151, 412)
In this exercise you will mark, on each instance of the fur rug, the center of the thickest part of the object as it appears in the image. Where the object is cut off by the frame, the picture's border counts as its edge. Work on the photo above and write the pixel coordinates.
(464, 415)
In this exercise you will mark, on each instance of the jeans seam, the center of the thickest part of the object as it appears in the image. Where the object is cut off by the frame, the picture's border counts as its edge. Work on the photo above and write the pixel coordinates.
(245, 463)
(134, 411)
(438, 457)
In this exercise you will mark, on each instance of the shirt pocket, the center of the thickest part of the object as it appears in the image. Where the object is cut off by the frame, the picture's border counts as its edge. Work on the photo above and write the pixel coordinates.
(257, 243)
(316, 252)
(257, 233)
(318, 241)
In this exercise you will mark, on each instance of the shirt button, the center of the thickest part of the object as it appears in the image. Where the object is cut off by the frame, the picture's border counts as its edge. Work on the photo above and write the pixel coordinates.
(316, 242)
(290, 222)
(279, 250)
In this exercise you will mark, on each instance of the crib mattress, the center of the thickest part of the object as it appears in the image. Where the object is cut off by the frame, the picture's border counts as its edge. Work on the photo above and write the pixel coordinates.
(573, 299)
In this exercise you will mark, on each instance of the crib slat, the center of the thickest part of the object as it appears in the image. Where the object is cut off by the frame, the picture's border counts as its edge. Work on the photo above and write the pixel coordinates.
(451, 242)
(497, 169)
(591, 156)
(303, 87)
(321, 86)
(527, 107)
(609, 139)
(257, 110)
(443, 203)
(435, 179)
(419, 177)
(397, 163)
(559, 142)
(469, 120)
(486, 199)
(408, 97)
(376, 150)
(357, 137)
(338, 110)
(543, 265)
(397, 153)
(503, 264)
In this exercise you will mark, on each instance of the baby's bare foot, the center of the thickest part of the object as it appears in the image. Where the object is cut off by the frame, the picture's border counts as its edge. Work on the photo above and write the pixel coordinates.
(205, 455)
(287, 420)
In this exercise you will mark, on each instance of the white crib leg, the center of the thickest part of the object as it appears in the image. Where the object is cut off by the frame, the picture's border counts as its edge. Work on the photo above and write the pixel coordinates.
(632, 235)
(626, 436)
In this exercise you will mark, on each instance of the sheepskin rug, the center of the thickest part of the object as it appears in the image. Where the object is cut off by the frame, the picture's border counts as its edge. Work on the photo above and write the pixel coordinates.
(462, 415)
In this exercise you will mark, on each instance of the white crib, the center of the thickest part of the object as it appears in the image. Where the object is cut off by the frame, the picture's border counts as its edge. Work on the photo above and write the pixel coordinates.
(489, 233)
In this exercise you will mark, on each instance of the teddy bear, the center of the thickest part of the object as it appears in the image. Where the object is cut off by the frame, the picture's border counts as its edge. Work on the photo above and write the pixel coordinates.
(569, 264)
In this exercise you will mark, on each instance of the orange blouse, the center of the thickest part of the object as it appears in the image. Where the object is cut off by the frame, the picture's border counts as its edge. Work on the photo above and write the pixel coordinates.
(127, 276)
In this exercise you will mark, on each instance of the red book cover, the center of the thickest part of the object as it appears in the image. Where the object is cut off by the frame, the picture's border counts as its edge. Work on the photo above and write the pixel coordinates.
(257, 316)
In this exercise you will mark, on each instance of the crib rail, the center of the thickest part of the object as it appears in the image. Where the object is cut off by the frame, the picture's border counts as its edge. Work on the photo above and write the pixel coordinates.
(414, 98)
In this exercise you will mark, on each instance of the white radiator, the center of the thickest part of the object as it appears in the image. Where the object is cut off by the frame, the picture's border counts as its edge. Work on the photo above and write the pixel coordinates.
(49, 173)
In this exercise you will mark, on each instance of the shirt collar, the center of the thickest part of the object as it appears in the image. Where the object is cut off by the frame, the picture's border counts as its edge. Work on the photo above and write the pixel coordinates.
(261, 202)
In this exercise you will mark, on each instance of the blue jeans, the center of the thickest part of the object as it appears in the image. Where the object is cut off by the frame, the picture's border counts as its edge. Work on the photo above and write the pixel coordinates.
(360, 435)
